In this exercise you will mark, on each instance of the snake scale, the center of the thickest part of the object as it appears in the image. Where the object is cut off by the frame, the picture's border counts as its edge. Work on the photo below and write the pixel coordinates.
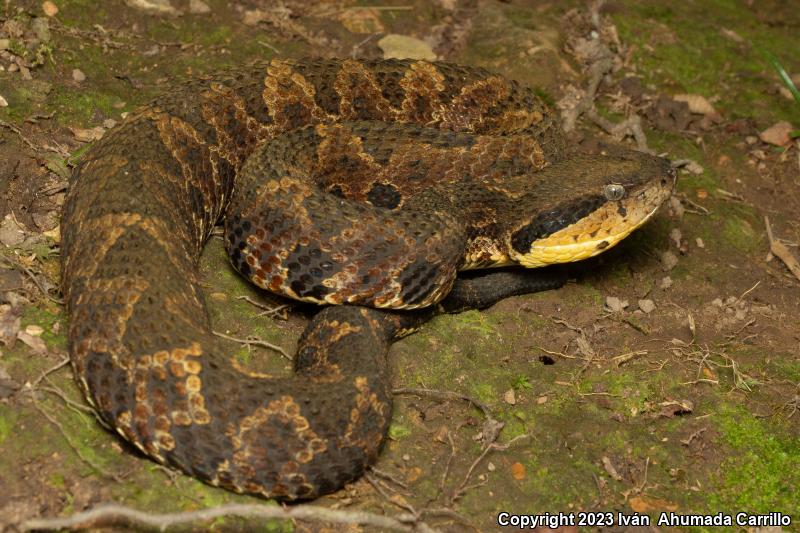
(343, 182)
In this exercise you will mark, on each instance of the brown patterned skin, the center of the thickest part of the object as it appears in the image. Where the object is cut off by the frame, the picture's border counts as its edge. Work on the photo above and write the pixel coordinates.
(144, 200)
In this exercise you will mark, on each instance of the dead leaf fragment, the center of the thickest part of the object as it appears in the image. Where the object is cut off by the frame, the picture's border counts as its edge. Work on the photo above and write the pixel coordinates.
(698, 104)
(36, 343)
(518, 471)
(87, 135)
(251, 17)
(732, 35)
(609, 468)
(672, 409)
(778, 134)
(645, 504)
(781, 251)
(397, 46)
(156, 7)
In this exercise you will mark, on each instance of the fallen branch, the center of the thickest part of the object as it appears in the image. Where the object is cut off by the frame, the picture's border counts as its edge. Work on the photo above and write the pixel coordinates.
(114, 514)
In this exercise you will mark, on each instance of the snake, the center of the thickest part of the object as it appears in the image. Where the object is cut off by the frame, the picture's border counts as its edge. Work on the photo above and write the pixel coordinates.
(363, 185)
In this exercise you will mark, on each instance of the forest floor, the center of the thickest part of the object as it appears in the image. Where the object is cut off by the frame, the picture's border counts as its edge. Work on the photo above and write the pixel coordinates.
(663, 377)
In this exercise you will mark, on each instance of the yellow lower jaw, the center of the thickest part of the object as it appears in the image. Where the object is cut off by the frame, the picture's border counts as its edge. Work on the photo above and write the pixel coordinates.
(544, 254)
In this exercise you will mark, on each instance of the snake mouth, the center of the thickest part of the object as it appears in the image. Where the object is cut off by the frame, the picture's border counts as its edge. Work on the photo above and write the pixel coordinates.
(600, 230)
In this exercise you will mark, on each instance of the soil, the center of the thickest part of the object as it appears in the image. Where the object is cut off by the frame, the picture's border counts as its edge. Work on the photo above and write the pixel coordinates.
(663, 377)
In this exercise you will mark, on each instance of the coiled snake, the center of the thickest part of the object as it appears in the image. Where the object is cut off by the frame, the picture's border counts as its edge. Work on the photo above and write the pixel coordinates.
(359, 182)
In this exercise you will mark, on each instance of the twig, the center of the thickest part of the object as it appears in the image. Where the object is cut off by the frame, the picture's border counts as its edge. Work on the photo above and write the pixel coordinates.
(378, 485)
(380, 8)
(71, 445)
(268, 311)
(446, 395)
(387, 476)
(267, 45)
(62, 363)
(621, 359)
(462, 488)
(33, 277)
(19, 133)
(114, 514)
(255, 342)
(449, 462)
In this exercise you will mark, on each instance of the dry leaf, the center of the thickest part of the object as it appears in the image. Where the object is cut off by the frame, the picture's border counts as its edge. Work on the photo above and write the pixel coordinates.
(709, 374)
(518, 471)
(253, 16)
(88, 135)
(413, 474)
(777, 134)
(36, 343)
(405, 47)
(782, 252)
(672, 409)
(698, 104)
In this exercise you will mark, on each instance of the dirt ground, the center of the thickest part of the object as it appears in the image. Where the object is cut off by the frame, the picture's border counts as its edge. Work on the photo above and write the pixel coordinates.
(663, 377)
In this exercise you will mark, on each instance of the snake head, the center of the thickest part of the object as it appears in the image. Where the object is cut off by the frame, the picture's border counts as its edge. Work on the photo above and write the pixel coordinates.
(585, 205)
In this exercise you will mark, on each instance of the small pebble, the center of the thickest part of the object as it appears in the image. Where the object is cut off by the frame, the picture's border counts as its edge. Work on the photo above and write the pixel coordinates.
(669, 260)
(647, 306)
(49, 8)
(615, 305)
(3, 102)
(198, 7)
(78, 75)
(34, 330)
(406, 457)
(666, 283)
(700, 243)
(510, 397)
(109, 123)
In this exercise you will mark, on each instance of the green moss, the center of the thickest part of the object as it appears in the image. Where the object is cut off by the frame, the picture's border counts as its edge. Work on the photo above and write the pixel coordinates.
(7, 419)
(740, 234)
(763, 472)
(46, 318)
(679, 46)
(398, 431)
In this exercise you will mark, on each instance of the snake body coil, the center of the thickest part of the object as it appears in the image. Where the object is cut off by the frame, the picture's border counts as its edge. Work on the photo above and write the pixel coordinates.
(325, 169)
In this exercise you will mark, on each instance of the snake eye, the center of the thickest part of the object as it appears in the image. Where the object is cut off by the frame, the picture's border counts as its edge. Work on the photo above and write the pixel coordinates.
(614, 191)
